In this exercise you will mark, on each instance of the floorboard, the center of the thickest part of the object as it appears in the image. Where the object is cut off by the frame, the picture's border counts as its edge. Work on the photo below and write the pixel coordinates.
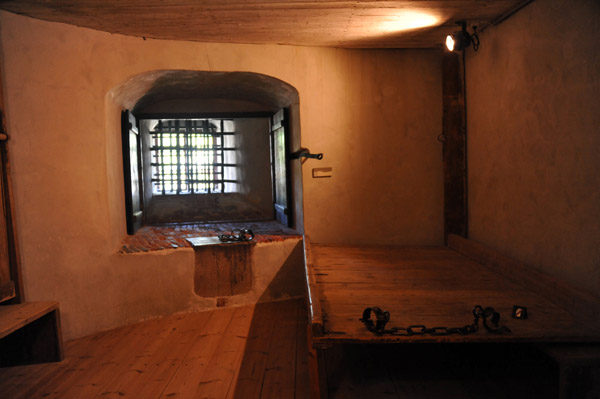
(193, 355)
(261, 352)
(275, 360)
(144, 360)
(252, 371)
(154, 366)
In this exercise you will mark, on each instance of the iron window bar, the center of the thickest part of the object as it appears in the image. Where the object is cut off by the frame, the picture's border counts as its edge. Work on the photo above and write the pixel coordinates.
(188, 156)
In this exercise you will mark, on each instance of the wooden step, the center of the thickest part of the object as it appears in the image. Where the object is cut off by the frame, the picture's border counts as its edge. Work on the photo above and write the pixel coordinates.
(30, 333)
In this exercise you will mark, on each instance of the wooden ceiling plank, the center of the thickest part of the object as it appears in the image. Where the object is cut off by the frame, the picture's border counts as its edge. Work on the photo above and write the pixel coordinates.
(336, 23)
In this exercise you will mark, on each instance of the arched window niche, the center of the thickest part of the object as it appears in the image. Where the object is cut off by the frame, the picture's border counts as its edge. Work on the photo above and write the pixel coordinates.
(201, 147)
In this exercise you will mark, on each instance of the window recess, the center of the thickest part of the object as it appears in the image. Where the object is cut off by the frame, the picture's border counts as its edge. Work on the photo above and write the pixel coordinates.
(188, 169)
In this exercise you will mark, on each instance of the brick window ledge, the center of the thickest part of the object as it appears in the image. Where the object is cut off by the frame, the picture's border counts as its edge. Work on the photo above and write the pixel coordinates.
(157, 238)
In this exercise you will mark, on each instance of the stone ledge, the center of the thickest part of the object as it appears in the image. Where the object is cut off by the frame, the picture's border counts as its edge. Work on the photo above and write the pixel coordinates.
(157, 238)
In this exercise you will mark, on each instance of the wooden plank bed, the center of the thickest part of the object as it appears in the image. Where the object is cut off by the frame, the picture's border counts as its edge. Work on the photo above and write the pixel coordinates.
(437, 286)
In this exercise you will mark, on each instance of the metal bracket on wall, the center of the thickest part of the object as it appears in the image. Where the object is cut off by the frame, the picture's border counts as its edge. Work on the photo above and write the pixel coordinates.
(305, 153)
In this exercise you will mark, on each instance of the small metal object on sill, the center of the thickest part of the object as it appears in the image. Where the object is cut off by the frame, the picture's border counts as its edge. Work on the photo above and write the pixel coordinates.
(237, 235)
(242, 235)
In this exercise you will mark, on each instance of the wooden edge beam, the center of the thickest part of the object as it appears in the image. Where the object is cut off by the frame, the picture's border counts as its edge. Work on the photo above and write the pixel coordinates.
(6, 189)
(579, 303)
(312, 297)
(30, 333)
(454, 133)
(7, 290)
(317, 370)
(13, 317)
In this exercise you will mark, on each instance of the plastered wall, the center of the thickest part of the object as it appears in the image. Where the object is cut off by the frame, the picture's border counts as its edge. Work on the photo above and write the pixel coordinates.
(376, 118)
(375, 115)
(533, 138)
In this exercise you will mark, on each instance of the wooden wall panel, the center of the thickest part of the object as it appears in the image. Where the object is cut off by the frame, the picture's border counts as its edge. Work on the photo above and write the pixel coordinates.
(11, 285)
(223, 270)
(455, 145)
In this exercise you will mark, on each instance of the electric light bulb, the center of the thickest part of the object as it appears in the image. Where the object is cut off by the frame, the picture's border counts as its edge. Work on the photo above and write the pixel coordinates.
(450, 42)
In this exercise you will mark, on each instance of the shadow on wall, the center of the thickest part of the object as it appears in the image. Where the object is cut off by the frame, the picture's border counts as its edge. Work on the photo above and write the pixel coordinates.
(289, 280)
(227, 90)
(225, 271)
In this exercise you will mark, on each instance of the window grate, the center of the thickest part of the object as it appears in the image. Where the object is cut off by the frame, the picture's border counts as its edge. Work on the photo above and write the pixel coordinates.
(193, 156)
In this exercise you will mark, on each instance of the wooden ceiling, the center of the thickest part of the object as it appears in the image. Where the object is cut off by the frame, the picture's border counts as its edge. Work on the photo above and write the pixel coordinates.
(331, 23)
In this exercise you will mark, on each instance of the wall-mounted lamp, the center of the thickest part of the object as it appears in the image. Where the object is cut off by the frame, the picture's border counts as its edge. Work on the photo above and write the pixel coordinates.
(461, 39)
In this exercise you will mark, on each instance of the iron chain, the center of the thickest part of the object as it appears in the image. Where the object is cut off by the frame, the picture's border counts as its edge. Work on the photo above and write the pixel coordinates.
(418, 329)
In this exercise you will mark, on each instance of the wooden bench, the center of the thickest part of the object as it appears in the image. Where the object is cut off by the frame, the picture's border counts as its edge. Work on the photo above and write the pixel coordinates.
(438, 286)
(30, 333)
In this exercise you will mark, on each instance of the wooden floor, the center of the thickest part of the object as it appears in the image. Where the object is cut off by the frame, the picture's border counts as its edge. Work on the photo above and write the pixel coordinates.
(275, 363)
(196, 355)
(261, 352)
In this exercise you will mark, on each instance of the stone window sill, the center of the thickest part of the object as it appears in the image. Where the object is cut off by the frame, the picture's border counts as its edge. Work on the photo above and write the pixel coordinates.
(157, 238)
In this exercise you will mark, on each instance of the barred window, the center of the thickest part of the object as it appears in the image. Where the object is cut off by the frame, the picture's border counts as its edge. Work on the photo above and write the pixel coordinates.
(203, 168)
(193, 156)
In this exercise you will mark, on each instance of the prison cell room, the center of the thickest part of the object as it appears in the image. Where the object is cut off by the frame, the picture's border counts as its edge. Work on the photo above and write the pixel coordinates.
(315, 199)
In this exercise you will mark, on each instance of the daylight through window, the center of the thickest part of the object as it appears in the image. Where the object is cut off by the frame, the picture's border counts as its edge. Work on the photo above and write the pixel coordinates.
(193, 156)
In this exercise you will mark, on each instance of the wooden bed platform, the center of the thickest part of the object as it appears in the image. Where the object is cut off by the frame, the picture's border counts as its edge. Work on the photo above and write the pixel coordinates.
(438, 286)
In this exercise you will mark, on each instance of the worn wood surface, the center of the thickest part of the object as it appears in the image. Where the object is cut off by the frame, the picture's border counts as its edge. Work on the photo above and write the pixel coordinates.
(131, 144)
(7, 287)
(194, 355)
(190, 356)
(312, 293)
(275, 358)
(223, 270)
(281, 168)
(211, 364)
(10, 233)
(433, 286)
(362, 24)
(13, 317)
(10, 261)
(317, 369)
(244, 352)
(454, 127)
(580, 303)
(30, 333)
